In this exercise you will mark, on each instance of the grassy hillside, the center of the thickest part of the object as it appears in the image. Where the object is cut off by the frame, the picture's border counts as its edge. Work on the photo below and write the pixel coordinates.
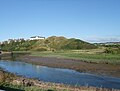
(51, 43)
(61, 43)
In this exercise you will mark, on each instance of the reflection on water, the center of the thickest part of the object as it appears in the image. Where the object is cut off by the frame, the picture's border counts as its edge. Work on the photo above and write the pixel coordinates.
(12, 56)
(57, 75)
(7, 57)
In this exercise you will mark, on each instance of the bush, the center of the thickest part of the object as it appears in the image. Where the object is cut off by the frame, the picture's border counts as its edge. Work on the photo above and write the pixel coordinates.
(41, 49)
(2, 77)
(112, 50)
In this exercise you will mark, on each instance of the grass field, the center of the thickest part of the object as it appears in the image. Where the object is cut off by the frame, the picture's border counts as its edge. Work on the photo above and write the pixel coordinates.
(95, 55)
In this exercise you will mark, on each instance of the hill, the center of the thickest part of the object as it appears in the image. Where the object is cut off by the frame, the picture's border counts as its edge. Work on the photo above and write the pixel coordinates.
(51, 43)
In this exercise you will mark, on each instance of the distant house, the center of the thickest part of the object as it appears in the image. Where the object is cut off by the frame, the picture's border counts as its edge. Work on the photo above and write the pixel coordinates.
(1, 42)
(15, 40)
(36, 37)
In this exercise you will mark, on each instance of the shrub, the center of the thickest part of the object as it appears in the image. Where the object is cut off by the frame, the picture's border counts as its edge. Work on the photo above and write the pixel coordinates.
(112, 50)
(2, 76)
(41, 49)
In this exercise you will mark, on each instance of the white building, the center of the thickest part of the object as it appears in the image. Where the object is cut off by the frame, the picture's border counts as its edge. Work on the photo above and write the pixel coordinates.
(36, 38)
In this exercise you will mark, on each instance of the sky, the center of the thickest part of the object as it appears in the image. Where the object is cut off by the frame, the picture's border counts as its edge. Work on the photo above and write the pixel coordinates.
(89, 20)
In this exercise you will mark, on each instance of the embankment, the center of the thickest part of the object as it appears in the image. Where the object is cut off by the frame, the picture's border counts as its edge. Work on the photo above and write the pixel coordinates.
(8, 78)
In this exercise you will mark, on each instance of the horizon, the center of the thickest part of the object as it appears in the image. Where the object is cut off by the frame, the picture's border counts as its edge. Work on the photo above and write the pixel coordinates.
(89, 20)
(93, 41)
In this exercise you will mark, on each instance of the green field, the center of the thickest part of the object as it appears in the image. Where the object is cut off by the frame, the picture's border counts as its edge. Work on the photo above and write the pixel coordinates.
(93, 55)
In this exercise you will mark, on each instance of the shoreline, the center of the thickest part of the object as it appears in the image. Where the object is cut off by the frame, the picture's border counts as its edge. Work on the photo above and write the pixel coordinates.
(60, 63)
(78, 65)
(29, 83)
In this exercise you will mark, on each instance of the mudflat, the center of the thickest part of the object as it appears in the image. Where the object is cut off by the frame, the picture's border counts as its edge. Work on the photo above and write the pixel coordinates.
(78, 65)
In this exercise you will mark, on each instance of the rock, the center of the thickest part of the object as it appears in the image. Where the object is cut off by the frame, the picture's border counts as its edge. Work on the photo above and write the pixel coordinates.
(16, 82)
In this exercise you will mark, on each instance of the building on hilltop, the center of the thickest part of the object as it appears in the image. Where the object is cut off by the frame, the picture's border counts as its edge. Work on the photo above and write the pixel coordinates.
(36, 37)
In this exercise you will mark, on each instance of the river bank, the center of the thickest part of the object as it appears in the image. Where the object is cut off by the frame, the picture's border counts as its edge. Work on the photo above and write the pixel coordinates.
(102, 69)
(78, 65)
(19, 83)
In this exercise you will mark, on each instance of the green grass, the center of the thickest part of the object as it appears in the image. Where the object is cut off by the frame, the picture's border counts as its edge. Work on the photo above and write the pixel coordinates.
(84, 55)
(11, 87)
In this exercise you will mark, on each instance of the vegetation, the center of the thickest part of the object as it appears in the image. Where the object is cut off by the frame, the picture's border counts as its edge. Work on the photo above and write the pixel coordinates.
(12, 87)
(12, 82)
(17, 45)
(51, 43)
(66, 48)
(7, 83)
(62, 47)
(91, 55)
(59, 47)
(112, 50)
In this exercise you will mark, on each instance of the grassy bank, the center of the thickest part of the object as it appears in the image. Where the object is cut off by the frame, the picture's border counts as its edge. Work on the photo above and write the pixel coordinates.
(95, 56)
(11, 82)
(12, 87)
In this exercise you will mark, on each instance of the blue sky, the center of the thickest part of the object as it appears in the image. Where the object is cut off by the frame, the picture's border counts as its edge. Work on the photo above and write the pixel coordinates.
(90, 20)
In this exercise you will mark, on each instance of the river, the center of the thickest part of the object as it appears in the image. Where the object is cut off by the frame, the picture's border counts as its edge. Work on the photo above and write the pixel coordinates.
(57, 75)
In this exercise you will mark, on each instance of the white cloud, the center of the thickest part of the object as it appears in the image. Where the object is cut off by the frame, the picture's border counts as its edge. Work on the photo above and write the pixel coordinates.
(105, 39)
